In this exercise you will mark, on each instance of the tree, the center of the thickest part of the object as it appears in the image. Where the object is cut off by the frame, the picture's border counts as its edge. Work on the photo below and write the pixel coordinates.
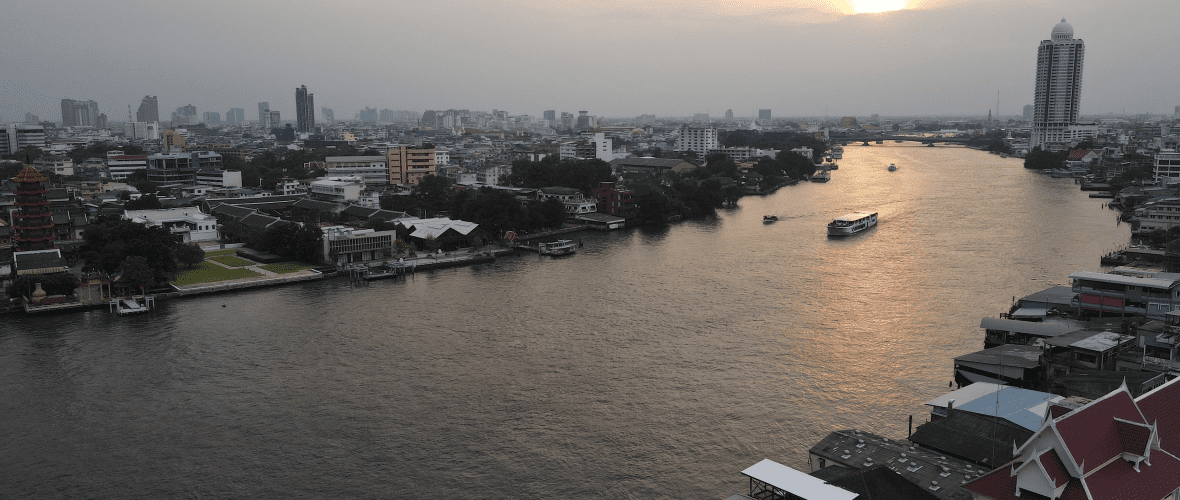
(111, 239)
(136, 271)
(1039, 159)
(145, 202)
(653, 208)
(189, 255)
(433, 193)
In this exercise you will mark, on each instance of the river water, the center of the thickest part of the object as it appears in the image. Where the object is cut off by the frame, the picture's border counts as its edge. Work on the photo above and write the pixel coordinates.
(652, 364)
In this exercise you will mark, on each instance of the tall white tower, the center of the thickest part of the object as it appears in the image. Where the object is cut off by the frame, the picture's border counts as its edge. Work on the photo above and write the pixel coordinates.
(1059, 87)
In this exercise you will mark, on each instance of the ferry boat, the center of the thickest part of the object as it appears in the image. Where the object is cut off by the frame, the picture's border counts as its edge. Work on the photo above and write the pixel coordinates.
(852, 223)
(557, 248)
(769, 219)
(892, 167)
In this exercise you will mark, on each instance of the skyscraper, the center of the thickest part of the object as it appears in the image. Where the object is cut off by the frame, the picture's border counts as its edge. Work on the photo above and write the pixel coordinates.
(304, 110)
(551, 115)
(764, 114)
(149, 110)
(328, 114)
(1059, 87)
(263, 109)
(235, 116)
(78, 113)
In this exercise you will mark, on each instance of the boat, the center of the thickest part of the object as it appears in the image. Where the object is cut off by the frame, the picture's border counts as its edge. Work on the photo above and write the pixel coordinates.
(769, 219)
(879, 141)
(837, 152)
(557, 248)
(821, 176)
(892, 167)
(852, 223)
(132, 304)
(897, 141)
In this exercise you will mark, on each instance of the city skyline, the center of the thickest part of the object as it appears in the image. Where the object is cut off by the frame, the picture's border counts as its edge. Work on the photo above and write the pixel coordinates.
(931, 58)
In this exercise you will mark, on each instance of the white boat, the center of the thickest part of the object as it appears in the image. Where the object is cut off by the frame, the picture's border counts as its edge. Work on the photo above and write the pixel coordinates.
(892, 167)
(557, 248)
(821, 176)
(852, 223)
(769, 219)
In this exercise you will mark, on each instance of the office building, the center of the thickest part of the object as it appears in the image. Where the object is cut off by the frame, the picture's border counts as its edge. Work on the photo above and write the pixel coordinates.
(586, 122)
(212, 118)
(78, 113)
(1058, 88)
(729, 115)
(142, 130)
(764, 114)
(408, 164)
(149, 109)
(171, 140)
(14, 137)
(551, 115)
(235, 116)
(181, 168)
(370, 168)
(304, 111)
(328, 115)
(263, 109)
(101, 121)
(1028, 112)
(185, 115)
(367, 115)
(34, 119)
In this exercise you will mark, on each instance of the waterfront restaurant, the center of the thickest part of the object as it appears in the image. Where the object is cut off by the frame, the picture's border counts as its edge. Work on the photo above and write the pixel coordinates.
(1126, 293)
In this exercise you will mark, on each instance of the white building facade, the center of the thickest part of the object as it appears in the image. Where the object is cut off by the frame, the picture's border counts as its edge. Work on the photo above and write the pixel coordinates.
(1058, 89)
(190, 223)
(698, 139)
(373, 169)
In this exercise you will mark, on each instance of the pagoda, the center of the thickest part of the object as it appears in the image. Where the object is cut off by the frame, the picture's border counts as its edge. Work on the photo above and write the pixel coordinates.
(33, 226)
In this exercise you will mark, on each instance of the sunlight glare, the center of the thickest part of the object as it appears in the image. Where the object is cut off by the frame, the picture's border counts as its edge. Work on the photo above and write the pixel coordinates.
(875, 6)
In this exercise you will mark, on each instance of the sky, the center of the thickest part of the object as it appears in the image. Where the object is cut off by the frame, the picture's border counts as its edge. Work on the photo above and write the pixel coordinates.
(800, 58)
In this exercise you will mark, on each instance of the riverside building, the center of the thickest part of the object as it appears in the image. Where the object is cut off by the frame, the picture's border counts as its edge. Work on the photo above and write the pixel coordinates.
(1058, 90)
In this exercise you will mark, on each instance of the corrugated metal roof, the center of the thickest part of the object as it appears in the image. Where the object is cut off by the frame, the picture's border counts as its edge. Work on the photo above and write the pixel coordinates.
(1123, 280)
(1042, 329)
(795, 482)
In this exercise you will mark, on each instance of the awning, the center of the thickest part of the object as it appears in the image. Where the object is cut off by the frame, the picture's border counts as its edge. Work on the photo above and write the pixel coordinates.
(1029, 312)
(975, 377)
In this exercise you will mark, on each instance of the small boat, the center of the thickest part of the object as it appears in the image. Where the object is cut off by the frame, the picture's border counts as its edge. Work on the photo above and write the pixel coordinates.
(821, 176)
(852, 223)
(769, 219)
(557, 248)
(132, 305)
(879, 141)
(897, 141)
(892, 167)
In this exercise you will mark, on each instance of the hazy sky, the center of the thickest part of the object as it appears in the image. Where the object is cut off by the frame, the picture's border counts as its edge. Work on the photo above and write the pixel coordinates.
(664, 57)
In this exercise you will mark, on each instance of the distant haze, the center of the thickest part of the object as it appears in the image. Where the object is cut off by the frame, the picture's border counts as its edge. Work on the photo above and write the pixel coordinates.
(662, 57)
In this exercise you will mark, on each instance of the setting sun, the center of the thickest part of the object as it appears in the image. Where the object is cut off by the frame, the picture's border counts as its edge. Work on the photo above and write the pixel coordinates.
(874, 6)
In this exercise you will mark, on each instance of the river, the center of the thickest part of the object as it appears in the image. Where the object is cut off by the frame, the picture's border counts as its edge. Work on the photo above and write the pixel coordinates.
(654, 363)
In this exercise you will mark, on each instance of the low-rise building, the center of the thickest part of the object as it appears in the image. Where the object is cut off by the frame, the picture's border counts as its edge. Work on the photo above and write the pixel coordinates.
(372, 169)
(1167, 167)
(119, 167)
(1126, 293)
(570, 198)
(190, 223)
(343, 244)
(336, 190)
(219, 178)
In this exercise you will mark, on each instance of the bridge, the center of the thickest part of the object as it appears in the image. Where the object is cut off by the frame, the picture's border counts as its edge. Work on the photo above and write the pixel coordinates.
(850, 139)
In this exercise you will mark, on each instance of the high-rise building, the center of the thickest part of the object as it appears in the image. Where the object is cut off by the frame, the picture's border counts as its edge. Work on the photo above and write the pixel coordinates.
(185, 115)
(304, 111)
(328, 114)
(149, 110)
(551, 115)
(101, 121)
(764, 114)
(273, 120)
(698, 139)
(263, 109)
(212, 118)
(78, 113)
(235, 116)
(729, 115)
(367, 115)
(34, 119)
(387, 115)
(1058, 87)
(1028, 112)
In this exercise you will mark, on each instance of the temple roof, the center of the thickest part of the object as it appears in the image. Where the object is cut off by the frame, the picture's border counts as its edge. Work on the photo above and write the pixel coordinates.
(29, 174)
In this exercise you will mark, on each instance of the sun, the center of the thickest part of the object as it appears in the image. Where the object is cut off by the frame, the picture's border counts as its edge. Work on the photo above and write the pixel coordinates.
(875, 6)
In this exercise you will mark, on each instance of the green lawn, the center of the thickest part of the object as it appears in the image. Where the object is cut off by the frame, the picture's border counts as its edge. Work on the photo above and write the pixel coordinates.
(214, 253)
(210, 273)
(285, 267)
(231, 260)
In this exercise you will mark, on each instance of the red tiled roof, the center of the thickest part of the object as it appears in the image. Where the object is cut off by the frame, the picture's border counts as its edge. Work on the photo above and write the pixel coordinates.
(1074, 491)
(1119, 480)
(1057, 411)
(1090, 433)
(1055, 468)
(1159, 407)
(999, 484)
(1133, 436)
(1077, 154)
(29, 174)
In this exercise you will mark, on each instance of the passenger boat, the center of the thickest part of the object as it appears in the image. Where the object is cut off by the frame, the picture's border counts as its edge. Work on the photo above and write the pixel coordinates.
(892, 167)
(852, 223)
(558, 248)
(821, 176)
(769, 219)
